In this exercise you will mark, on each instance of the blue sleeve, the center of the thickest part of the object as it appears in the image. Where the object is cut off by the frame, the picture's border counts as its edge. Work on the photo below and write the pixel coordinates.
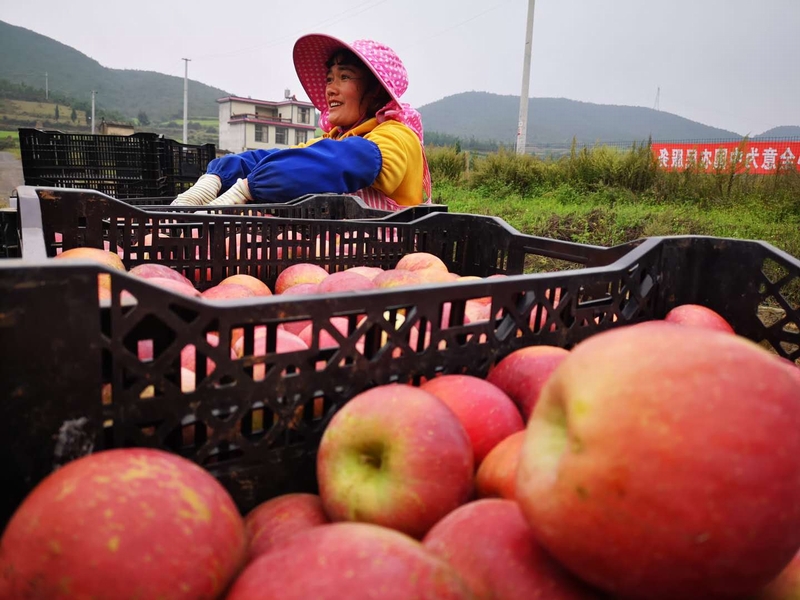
(231, 167)
(327, 166)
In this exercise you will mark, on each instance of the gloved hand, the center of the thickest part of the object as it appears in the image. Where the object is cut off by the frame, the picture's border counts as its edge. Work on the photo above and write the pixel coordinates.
(202, 192)
(239, 193)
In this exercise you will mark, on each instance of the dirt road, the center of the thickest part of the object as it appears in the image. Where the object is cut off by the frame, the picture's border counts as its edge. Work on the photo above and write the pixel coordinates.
(10, 176)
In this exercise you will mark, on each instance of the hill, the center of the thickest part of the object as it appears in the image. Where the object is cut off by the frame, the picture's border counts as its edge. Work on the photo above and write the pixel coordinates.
(792, 131)
(26, 55)
(555, 121)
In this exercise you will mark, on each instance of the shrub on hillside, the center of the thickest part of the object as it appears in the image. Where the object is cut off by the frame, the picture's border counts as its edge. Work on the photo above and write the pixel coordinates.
(445, 164)
(522, 174)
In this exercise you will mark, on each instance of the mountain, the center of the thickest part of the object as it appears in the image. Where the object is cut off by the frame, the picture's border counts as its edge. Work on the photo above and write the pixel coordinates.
(25, 56)
(780, 132)
(552, 122)
(486, 116)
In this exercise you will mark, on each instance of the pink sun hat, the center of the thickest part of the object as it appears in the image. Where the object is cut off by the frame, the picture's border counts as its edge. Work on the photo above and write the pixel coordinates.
(312, 51)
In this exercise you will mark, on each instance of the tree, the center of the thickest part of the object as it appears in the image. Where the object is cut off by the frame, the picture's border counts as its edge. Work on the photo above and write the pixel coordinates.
(57, 115)
(143, 118)
(74, 116)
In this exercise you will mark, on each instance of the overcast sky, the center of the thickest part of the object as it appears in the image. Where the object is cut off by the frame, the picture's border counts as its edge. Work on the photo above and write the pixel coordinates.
(733, 64)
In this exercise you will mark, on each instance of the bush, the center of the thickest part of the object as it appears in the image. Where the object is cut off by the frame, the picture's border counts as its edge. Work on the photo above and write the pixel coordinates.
(445, 164)
(505, 171)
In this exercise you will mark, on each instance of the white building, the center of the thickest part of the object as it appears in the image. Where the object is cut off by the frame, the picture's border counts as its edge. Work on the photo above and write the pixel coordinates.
(249, 124)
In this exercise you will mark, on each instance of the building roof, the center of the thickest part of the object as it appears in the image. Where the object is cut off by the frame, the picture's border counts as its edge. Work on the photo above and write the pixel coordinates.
(283, 102)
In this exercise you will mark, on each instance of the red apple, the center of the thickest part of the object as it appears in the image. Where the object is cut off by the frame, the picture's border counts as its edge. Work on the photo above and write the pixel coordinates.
(230, 291)
(497, 474)
(487, 414)
(396, 456)
(696, 315)
(492, 547)
(284, 342)
(258, 287)
(349, 560)
(436, 275)
(417, 261)
(173, 285)
(345, 281)
(301, 289)
(103, 257)
(151, 270)
(299, 273)
(273, 522)
(664, 462)
(125, 523)
(397, 278)
(368, 272)
(523, 373)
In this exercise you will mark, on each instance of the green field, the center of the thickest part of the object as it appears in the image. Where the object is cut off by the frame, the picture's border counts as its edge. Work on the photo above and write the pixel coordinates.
(607, 197)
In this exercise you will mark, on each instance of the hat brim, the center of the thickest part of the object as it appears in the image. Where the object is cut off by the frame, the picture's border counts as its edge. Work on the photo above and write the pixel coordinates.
(310, 54)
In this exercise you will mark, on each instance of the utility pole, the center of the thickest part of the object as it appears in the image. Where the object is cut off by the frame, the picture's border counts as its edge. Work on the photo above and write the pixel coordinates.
(46, 88)
(186, 99)
(522, 129)
(657, 105)
(93, 95)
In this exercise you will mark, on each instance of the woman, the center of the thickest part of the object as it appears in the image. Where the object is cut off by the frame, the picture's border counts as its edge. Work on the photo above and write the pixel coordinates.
(372, 146)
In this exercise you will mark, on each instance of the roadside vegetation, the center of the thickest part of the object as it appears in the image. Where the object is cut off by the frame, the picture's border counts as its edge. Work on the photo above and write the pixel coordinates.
(608, 196)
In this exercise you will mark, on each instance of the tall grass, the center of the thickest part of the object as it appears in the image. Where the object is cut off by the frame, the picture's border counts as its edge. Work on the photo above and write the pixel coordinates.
(607, 196)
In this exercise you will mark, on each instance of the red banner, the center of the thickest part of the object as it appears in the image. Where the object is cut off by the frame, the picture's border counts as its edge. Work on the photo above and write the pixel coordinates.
(762, 157)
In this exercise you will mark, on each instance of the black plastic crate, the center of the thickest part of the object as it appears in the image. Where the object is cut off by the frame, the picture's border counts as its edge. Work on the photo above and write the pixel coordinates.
(182, 164)
(309, 206)
(73, 383)
(9, 236)
(312, 206)
(118, 165)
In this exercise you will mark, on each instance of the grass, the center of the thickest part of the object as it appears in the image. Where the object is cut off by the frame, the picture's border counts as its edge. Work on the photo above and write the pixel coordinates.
(39, 110)
(607, 197)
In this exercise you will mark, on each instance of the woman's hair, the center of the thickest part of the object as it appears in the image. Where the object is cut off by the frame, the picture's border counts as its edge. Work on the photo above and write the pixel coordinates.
(372, 87)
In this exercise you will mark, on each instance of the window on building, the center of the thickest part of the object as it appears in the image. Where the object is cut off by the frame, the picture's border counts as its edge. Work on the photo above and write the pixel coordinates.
(300, 136)
(303, 115)
(281, 135)
(262, 133)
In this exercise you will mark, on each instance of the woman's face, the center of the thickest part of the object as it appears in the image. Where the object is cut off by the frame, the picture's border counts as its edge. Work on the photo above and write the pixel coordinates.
(344, 91)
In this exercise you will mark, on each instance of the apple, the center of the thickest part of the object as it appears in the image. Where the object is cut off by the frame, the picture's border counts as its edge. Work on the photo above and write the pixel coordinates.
(349, 560)
(497, 474)
(300, 289)
(397, 278)
(173, 285)
(284, 342)
(258, 287)
(785, 586)
(345, 281)
(416, 261)
(490, 544)
(108, 259)
(436, 275)
(697, 315)
(523, 373)
(368, 272)
(396, 456)
(487, 414)
(274, 521)
(299, 273)
(230, 291)
(153, 270)
(663, 462)
(124, 523)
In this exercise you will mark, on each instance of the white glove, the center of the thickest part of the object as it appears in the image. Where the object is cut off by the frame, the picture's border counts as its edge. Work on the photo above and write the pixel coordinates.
(239, 193)
(202, 192)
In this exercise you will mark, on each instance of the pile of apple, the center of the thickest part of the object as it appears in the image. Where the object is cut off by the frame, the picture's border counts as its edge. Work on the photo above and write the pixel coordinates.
(655, 461)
